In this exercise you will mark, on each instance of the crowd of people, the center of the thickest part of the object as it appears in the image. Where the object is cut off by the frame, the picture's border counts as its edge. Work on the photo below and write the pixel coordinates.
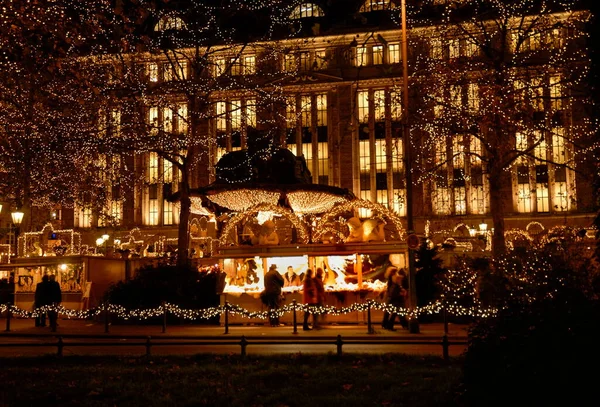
(313, 295)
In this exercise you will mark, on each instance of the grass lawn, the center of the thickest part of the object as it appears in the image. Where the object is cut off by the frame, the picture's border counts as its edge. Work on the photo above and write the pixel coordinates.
(211, 380)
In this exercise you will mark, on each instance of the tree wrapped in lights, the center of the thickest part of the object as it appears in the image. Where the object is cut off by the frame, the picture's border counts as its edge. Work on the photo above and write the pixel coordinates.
(47, 99)
(201, 71)
(504, 99)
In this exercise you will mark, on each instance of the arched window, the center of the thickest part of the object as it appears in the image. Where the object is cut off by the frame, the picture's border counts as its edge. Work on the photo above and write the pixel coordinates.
(376, 5)
(169, 22)
(306, 10)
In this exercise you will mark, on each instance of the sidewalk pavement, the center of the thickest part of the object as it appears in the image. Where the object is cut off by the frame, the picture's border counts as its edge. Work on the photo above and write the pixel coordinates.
(26, 326)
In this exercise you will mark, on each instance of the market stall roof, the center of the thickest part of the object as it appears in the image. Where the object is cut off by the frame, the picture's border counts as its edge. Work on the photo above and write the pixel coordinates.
(300, 198)
(342, 249)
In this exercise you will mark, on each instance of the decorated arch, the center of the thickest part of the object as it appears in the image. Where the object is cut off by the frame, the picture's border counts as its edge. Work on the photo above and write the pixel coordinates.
(390, 216)
(300, 226)
(518, 238)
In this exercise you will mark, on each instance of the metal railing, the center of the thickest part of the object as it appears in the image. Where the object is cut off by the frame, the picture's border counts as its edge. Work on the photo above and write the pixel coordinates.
(148, 342)
(243, 341)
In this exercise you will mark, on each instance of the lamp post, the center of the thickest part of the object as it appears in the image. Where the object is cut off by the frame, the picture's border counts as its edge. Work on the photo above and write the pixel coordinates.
(103, 240)
(99, 242)
(413, 323)
(17, 218)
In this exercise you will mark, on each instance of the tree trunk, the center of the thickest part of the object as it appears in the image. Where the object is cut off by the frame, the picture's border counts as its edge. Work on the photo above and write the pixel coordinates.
(184, 218)
(497, 209)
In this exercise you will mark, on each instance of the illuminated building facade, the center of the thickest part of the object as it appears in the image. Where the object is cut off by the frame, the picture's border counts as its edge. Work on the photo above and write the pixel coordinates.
(336, 100)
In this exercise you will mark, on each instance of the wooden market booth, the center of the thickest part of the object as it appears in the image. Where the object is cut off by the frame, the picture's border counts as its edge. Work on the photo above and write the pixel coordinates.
(342, 290)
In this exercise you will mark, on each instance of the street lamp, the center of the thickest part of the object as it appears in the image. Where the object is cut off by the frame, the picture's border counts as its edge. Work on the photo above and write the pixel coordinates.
(413, 323)
(99, 242)
(17, 218)
(103, 241)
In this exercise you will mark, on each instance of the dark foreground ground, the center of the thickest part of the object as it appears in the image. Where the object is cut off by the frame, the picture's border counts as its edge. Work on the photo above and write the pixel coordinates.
(230, 380)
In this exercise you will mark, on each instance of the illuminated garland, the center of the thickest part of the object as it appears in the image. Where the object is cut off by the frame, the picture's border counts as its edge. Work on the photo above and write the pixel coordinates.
(354, 205)
(300, 226)
(233, 309)
(74, 243)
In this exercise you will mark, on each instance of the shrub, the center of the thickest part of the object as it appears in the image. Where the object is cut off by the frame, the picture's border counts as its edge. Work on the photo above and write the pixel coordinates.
(541, 347)
(185, 287)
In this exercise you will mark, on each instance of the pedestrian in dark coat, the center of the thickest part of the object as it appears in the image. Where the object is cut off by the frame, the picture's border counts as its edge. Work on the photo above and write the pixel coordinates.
(397, 298)
(390, 273)
(320, 285)
(271, 295)
(42, 298)
(310, 297)
(55, 298)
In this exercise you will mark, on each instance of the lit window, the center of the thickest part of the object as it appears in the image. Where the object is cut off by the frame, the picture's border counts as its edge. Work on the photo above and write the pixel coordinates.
(559, 153)
(380, 156)
(236, 114)
(236, 66)
(376, 5)
(321, 110)
(473, 96)
(152, 72)
(470, 47)
(152, 211)
(304, 58)
(249, 65)
(396, 105)
(377, 54)
(170, 22)
(153, 120)
(289, 62)
(85, 217)
(393, 53)
(153, 167)
(305, 110)
(320, 59)
(290, 111)
(363, 106)
(174, 70)
(115, 210)
(456, 96)
(526, 41)
(436, 51)
(379, 104)
(536, 94)
(361, 56)
(221, 116)
(182, 118)
(453, 48)
(220, 66)
(250, 114)
(556, 92)
(306, 10)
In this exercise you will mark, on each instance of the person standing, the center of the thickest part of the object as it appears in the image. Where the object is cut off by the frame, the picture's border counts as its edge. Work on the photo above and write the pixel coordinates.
(397, 298)
(41, 299)
(320, 286)
(291, 279)
(55, 298)
(271, 296)
(310, 298)
(389, 293)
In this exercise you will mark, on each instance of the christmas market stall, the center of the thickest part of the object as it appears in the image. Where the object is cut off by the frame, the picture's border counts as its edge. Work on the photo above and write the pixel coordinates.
(283, 220)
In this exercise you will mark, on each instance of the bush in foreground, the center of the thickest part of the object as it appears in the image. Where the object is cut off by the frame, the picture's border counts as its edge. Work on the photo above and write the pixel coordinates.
(541, 349)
